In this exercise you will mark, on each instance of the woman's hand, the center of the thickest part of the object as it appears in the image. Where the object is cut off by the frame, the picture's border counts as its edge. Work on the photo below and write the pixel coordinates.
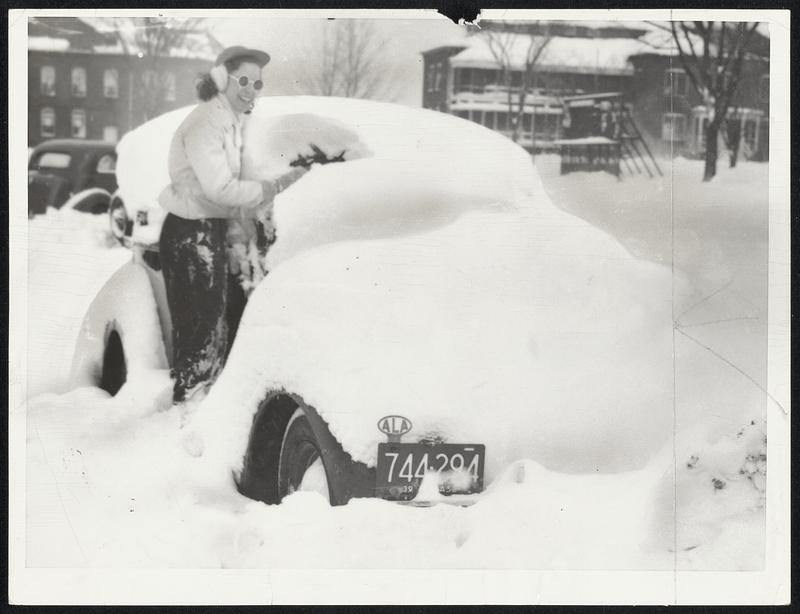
(240, 231)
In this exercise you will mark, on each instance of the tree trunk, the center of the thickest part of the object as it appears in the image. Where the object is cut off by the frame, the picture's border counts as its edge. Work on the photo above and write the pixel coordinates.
(712, 135)
(734, 138)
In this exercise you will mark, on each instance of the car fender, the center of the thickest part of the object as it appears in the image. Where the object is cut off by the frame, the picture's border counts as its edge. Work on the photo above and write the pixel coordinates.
(258, 479)
(91, 200)
(126, 305)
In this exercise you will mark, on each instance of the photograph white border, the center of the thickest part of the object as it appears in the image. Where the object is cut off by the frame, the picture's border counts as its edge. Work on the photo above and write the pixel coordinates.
(273, 586)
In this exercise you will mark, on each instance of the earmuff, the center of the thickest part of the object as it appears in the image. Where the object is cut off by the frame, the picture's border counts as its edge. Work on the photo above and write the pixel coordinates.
(219, 74)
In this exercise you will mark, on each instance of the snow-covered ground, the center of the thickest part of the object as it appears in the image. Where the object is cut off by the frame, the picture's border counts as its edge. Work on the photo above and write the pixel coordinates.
(110, 482)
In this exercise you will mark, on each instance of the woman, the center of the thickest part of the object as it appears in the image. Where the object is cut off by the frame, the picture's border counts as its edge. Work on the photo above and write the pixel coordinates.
(205, 194)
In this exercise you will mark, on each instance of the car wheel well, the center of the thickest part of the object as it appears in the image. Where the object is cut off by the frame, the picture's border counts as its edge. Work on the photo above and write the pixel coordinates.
(259, 478)
(114, 369)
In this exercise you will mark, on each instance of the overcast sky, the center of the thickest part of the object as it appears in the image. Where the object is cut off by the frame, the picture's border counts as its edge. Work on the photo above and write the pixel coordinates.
(291, 42)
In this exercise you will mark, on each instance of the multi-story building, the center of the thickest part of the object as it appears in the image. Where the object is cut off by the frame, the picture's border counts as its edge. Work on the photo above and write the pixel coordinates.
(84, 83)
(671, 111)
(636, 60)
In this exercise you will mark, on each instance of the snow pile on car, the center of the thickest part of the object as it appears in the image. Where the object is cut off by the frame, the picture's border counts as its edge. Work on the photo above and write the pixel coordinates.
(429, 165)
(435, 279)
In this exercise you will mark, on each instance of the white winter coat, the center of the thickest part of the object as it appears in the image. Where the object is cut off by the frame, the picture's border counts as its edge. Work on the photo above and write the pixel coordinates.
(205, 160)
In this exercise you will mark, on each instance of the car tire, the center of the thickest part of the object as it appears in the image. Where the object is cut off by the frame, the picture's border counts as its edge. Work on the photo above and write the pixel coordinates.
(301, 459)
(114, 371)
(287, 438)
(119, 222)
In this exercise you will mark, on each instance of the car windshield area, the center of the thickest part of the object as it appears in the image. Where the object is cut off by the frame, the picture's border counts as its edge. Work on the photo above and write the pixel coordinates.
(107, 164)
(52, 160)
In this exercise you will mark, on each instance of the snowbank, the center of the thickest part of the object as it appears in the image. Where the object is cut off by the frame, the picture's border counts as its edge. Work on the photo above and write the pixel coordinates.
(71, 256)
(109, 482)
(130, 497)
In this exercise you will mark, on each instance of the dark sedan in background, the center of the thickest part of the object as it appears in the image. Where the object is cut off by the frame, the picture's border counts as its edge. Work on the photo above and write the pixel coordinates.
(73, 172)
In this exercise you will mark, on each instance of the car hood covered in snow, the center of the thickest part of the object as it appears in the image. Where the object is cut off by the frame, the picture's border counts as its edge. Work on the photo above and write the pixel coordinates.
(429, 275)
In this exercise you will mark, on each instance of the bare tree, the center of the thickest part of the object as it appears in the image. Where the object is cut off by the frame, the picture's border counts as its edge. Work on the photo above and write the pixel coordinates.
(145, 41)
(712, 54)
(732, 136)
(351, 61)
(516, 48)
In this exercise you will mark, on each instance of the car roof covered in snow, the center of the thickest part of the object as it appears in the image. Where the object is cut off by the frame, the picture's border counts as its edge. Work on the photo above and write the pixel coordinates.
(450, 150)
(74, 145)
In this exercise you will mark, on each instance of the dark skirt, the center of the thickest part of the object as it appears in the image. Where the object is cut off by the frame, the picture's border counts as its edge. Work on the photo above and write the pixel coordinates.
(194, 262)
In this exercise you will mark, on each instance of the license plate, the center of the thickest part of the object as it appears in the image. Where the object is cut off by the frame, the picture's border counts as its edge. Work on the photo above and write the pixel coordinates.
(401, 467)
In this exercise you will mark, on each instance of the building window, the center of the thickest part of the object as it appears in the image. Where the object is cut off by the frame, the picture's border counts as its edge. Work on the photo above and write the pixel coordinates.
(110, 134)
(47, 76)
(111, 83)
(546, 126)
(502, 121)
(482, 78)
(489, 119)
(437, 85)
(673, 126)
(749, 135)
(526, 123)
(47, 119)
(169, 87)
(702, 129)
(465, 84)
(78, 124)
(429, 77)
(79, 82)
(676, 83)
(149, 78)
(763, 88)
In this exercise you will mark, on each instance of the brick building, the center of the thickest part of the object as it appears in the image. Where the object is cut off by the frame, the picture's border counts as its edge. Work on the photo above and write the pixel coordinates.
(82, 83)
(671, 112)
(636, 60)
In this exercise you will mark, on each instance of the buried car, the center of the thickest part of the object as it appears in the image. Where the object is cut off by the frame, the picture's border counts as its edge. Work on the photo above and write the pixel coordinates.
(76, 173)
(429, 316)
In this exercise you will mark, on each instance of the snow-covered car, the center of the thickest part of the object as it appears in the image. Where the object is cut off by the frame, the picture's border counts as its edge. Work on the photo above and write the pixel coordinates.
(429, 316)
(73, 173)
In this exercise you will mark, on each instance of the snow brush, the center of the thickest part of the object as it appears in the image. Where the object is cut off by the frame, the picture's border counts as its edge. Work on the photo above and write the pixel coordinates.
(318, 157)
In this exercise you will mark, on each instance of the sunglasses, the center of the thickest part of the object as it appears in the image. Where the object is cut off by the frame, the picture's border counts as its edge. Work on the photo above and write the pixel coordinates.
(244, 81)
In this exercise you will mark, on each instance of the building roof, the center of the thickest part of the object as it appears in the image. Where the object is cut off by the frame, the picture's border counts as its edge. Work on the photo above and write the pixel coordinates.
(108, 36)
(608, 55)
(52, 33)
(561, 53)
